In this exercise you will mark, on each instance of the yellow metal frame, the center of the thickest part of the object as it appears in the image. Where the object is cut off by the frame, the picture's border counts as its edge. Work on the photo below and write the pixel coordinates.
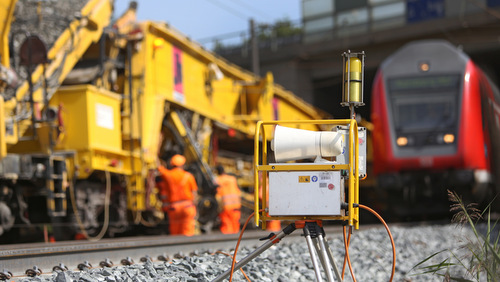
(263, 167)
(7, 8)
(3, 145)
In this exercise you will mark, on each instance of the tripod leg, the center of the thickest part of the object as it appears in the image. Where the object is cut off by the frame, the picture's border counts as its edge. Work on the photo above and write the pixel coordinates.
(332, 261)
(324, 255)
(275, 239)
(318, 251)
(312, 252)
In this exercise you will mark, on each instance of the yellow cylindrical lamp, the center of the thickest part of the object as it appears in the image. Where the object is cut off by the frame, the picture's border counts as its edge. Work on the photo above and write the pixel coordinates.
(353, 79)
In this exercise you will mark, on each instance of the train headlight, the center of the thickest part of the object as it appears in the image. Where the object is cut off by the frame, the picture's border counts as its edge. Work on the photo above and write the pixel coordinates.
(449, 138)
(424, 66)
(402, 141)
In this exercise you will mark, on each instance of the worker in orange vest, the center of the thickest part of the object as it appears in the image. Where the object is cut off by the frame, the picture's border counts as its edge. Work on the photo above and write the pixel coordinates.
(180, 192)
(229, 198)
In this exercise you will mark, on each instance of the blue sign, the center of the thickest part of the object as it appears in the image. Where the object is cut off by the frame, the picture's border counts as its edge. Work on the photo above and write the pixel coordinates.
(422, 10)
(314, 178)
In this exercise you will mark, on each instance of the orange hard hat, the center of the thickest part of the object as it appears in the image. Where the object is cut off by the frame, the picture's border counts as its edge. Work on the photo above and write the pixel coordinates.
(178, 160)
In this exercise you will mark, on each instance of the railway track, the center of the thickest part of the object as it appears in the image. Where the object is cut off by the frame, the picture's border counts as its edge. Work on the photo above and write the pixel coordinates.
(42, 259)
(22, 260)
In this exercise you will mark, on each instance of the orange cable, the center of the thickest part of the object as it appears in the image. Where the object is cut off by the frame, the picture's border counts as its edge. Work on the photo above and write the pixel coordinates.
(390, 236)
(346, 257)
(219, 252)
(238, 244)
(346, 245)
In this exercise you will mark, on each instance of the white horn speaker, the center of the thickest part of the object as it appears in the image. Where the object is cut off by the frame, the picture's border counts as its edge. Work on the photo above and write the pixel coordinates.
(294, 144)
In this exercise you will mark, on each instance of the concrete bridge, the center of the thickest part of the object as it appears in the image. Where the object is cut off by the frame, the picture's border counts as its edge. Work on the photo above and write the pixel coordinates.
(310, 65)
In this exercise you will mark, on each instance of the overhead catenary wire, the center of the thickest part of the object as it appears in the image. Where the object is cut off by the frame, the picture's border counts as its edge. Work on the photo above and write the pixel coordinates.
(254, 13)
(232, 11)
(250, 7)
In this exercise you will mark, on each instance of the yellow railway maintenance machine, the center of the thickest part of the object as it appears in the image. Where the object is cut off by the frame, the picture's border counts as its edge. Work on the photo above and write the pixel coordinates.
(323, 181)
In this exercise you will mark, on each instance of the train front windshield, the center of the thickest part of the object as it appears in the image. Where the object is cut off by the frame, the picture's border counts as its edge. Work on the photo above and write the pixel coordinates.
(424, 106)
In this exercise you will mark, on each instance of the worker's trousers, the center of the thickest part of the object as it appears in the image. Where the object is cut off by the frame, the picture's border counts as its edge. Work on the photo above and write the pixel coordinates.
(230, 221)
(182, 218)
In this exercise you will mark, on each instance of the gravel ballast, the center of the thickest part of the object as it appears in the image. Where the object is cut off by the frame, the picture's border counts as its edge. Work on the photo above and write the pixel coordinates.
(370, 252)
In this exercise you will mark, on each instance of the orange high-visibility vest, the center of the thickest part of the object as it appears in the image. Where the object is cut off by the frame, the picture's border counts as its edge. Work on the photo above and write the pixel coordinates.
(229, 192)
(180, 184)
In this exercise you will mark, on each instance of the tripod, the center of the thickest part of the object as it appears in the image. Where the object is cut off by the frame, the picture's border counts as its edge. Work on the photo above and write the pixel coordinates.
(316, 243)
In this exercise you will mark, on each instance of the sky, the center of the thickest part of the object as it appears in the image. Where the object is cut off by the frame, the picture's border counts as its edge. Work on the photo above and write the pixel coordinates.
(204, 19)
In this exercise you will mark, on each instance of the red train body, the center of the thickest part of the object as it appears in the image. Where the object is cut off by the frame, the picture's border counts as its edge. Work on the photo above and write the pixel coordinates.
(436, 119)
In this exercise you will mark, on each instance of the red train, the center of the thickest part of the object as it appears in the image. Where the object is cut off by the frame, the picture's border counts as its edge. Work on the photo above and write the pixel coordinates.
(436, 119)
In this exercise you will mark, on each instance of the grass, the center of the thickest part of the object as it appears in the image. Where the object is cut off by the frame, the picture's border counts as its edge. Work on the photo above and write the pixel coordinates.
(482, 262)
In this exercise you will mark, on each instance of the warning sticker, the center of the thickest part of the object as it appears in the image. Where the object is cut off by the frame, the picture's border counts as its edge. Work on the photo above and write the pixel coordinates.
(304, 179)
